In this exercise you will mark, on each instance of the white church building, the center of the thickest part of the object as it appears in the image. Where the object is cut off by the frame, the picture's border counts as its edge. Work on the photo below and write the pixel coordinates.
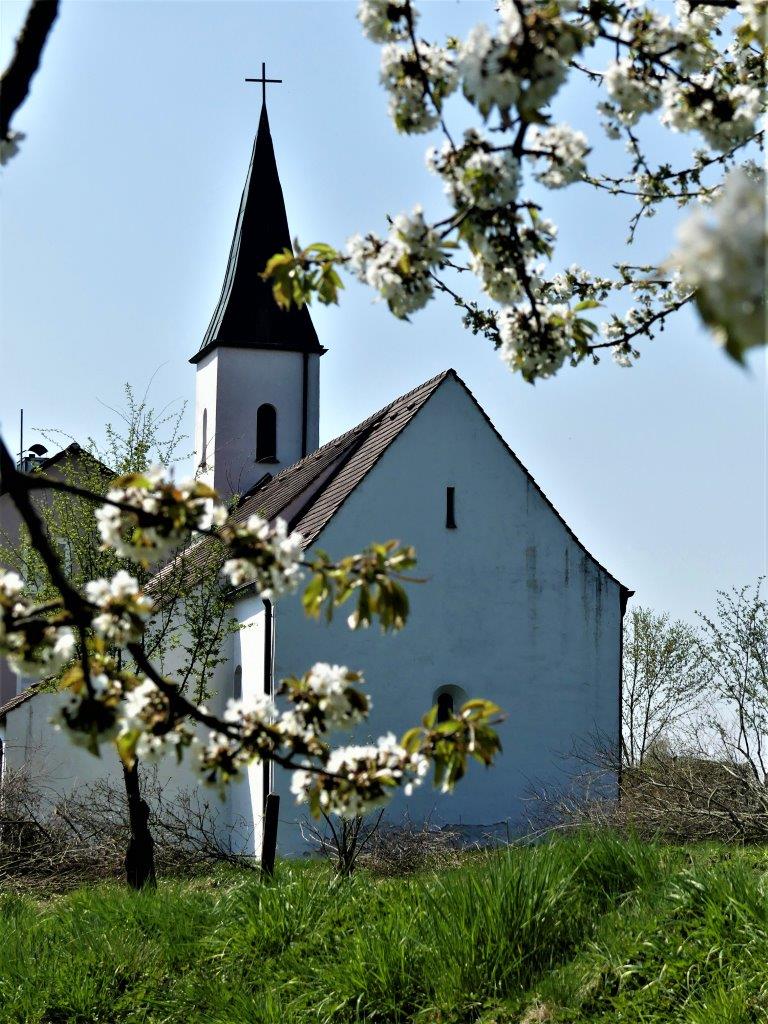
(514, 607)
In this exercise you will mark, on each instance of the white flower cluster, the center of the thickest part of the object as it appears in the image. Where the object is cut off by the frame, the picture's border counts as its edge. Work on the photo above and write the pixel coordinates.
(417, 84)
(361, 777)
(564, 151)
(329, 690)
(399, 266)
(679, 68)
(89, 720)
(521, 65)
(264, 555)
(161, 515)
(725, 115)
(477, 175)
(123, 607)
(630, 89)
(537, 351)
(384, 21)
(755, 14)
(132, 711)
(721, 254)
(33, 645)
(503, 248)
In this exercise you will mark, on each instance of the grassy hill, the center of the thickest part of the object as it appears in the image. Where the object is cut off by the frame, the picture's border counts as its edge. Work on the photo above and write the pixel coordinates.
(578, 930)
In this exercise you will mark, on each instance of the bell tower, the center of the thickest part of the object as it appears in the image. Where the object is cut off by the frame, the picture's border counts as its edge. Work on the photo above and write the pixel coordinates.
(257, 392)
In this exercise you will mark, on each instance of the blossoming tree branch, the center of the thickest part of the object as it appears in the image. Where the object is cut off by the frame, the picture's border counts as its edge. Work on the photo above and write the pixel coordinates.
(112, 692)
(702, 71)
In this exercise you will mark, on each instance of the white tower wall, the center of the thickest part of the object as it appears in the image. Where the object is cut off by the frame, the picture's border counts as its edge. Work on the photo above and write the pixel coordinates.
(231, 385)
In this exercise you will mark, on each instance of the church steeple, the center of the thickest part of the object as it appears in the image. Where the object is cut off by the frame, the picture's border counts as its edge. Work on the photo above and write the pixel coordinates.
(247, 315)
(257, 380)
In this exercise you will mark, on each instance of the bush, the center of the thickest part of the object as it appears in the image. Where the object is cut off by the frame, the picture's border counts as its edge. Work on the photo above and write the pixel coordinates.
(62, 842)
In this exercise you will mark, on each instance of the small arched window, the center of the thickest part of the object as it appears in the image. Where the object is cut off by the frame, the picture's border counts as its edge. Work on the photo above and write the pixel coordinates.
(237, 688)
(266, 433)
(449, 700)
(204, 455)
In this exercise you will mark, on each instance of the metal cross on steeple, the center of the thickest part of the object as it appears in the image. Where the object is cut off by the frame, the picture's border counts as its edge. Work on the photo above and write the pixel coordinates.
(264, 80)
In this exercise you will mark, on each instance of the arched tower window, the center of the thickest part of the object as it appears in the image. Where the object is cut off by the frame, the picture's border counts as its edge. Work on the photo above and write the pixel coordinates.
(237, 688)
(204, 456)
(266, 434)
(449, 700)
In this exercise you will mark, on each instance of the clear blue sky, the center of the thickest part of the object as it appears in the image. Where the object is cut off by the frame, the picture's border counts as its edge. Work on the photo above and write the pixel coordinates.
(117, 218)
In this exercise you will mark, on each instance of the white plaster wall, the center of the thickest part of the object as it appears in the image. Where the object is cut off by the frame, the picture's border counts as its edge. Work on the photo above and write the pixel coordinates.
(57, 765)
(513, 610)
(245, 799)
(206, 375)
(60, 767)
(232, 383)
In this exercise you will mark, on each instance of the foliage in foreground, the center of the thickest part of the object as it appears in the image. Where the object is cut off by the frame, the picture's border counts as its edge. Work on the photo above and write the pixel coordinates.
(586, 929)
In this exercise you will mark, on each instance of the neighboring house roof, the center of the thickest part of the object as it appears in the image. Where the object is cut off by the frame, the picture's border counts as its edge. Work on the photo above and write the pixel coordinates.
(247, 315)
(73, 450)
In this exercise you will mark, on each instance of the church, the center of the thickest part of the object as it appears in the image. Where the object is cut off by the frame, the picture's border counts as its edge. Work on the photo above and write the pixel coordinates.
(513, 607)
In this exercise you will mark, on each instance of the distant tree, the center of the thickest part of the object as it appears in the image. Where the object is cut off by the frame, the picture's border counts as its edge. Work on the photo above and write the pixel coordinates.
(735, 647)
(664, 674)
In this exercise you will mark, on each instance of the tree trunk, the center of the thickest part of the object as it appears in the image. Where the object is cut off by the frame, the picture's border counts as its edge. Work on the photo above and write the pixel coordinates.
(140, 857)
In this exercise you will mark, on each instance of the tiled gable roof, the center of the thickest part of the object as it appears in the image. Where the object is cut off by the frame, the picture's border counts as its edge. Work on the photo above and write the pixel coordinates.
(308, 493)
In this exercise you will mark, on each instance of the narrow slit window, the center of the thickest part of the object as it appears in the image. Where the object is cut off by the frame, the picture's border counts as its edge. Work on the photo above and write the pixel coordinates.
(266, 434)
(204, 456)
(450, 508)
(237, 688)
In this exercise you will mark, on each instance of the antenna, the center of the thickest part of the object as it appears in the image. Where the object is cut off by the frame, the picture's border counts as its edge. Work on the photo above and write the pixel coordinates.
(21, 437)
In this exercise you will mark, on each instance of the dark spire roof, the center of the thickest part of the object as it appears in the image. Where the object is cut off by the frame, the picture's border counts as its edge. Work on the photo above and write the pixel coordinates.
(247, 315)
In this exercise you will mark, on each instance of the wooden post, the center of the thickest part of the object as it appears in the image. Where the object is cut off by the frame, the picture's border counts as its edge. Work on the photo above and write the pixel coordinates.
(269, 840)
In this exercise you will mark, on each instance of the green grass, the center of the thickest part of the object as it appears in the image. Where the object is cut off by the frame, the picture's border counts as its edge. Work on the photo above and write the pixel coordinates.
(588, 929)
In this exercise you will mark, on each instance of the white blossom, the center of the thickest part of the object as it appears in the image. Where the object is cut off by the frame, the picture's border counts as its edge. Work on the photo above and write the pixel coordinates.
(721, 254)
(384, 21)
(724, 116)
(331, 684)
(399, 266)
(755, 13)
(124, 607)
(33, 644)
(564, 151)
(631, 90)
(475, 174)
(417, 85)
(361, 777)
(162, 515)
(488, 79)
(267, 556)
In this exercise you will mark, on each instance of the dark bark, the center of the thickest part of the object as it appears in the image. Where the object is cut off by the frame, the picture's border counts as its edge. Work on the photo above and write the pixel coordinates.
(15, 83)
(140, 857)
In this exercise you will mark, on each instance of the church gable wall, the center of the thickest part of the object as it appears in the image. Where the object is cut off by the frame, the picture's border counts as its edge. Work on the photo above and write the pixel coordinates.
(514, 609)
